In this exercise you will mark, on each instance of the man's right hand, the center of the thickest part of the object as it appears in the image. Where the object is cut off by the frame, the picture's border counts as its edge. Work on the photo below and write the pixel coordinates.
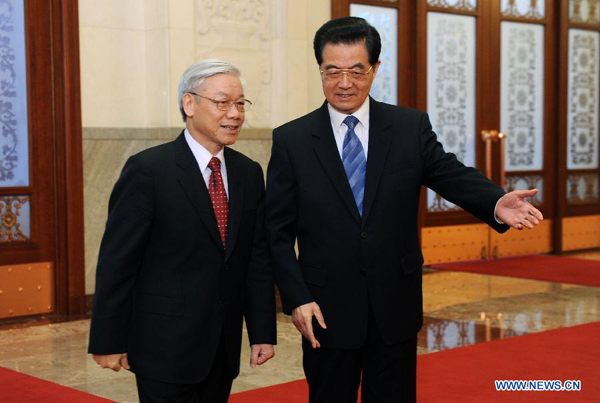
(302, 319)
(112, 361)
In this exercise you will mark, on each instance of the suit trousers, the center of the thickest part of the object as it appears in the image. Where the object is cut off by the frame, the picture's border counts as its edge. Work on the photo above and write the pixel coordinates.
(215, 388)
(389, 372)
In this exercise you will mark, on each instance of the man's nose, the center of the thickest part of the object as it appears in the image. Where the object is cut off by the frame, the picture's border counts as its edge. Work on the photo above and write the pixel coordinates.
(345, 81)
(233, 113)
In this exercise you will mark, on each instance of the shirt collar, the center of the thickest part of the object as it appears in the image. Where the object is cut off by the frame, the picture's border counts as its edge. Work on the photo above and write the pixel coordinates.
(362, 114)
(202, 155)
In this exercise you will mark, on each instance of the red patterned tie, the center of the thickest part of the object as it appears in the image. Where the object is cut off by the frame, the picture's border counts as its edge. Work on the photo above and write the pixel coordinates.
(216, 190)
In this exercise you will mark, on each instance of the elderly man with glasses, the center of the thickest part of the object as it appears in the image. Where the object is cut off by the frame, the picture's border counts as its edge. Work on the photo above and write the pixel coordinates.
(184, 257)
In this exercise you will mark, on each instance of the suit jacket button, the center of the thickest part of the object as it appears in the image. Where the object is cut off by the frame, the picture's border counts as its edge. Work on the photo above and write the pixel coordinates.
(226, 267)
(364, 235)
(363, 272)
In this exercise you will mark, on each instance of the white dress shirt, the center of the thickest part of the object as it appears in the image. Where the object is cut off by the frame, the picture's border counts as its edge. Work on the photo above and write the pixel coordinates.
(361, 129)
(203, 157)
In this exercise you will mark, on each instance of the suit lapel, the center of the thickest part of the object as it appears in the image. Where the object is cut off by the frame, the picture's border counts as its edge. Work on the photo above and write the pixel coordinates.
(379, 145)
(193, 184)
(236, 198)
(329, 156)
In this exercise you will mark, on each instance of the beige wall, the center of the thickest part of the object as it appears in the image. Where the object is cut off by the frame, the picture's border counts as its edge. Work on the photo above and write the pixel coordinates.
(133, 53)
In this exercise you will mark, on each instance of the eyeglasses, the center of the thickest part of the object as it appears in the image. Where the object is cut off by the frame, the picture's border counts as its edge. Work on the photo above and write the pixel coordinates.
(355, 75)
(241, 104)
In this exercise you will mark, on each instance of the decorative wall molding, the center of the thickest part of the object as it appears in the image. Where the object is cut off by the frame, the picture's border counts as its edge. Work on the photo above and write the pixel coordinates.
(239, 31)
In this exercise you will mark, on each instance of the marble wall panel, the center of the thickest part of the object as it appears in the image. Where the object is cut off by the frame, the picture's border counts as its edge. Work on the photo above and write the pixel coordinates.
(102, 164)
(112, 77)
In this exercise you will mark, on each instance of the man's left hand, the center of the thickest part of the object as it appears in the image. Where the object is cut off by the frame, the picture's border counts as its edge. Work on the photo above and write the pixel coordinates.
(260, 353)
(513, 210)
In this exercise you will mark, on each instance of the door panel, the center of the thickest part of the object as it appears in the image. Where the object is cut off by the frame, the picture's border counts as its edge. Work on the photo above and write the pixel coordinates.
(513, 94)
(451, 41)
(385, 20)
(41, 186)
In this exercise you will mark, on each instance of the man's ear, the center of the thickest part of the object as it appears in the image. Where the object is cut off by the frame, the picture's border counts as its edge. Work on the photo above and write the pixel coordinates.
(188, 102)
(376, 67)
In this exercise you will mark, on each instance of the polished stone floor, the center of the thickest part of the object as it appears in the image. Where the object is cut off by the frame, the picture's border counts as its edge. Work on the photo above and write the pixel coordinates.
(460, 309)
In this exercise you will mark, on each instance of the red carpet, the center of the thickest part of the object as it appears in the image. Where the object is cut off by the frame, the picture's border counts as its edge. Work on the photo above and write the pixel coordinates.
(548, 268)
(16, 387)
(467, 374)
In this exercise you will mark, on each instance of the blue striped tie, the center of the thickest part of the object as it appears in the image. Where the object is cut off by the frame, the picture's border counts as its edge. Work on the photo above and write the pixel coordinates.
(355, 162)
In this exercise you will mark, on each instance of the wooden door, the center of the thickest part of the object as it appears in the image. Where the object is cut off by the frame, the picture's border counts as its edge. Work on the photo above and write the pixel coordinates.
(490, 68)
(578, 125)
(41, 187)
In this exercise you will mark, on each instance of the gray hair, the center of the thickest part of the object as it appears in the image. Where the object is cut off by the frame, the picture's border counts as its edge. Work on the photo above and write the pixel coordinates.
(198, 72)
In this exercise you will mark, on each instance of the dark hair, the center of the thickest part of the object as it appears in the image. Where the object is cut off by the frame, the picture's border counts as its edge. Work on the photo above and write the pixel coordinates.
(348, 30)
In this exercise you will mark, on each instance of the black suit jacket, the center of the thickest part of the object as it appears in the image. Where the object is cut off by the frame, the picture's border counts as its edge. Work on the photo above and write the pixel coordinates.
(346, 262)
(165, 288)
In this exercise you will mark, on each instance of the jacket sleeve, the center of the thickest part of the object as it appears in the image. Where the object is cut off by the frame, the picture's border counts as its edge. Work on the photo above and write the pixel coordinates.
(260, 288)
(464, 186)
(122, 249)
(281, 223)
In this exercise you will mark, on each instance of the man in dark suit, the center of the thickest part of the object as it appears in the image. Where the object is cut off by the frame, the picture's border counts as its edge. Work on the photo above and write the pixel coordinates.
(184, 256)
(344, 182)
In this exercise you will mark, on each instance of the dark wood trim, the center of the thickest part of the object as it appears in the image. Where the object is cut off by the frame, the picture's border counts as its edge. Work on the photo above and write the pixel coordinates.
(549, 173)
(340, 8)
(576, 210)
(407, 70)
(586, 27)
(421, 61)
(561, 118)
(444, 218)
(540, 21)
(376, 3)
(15, 191)
(455, 11)
(69, 192)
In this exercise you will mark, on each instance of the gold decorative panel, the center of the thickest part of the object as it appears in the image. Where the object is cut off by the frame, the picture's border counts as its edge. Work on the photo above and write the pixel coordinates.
(581, 232)
(525, 242)
(14, 218)
(582, 189)
(463, 5)
(454, 243)
(26, 289)
(523, 182)
(585, 12)
(530, 9)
